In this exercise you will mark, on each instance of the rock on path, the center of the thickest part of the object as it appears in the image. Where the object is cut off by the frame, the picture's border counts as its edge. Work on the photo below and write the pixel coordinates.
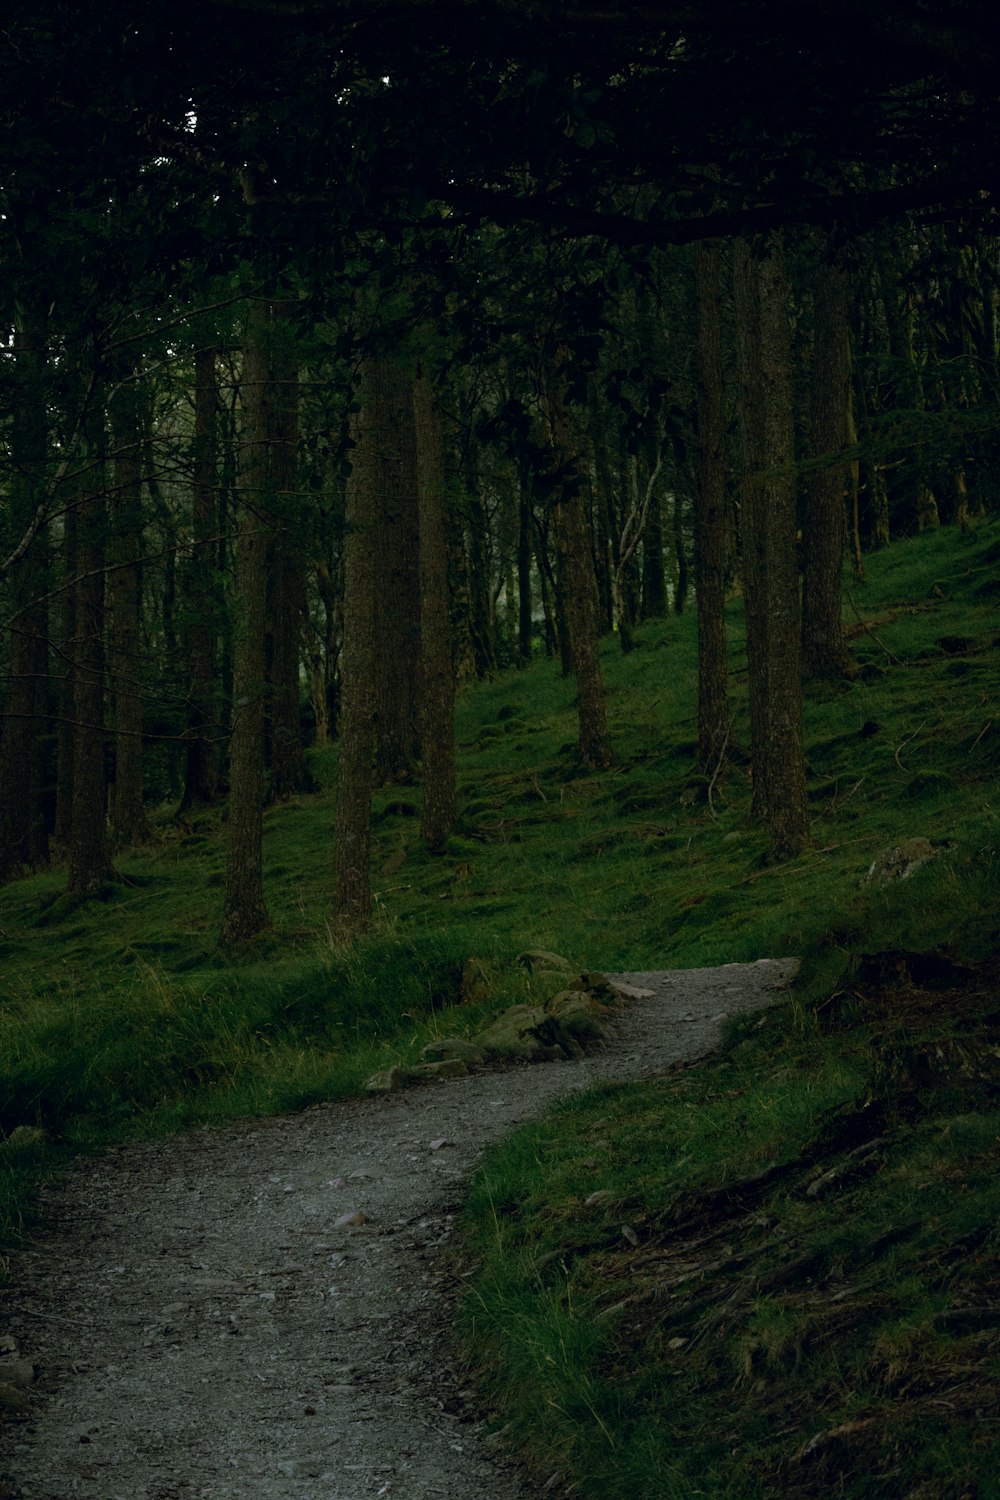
(203, 1326)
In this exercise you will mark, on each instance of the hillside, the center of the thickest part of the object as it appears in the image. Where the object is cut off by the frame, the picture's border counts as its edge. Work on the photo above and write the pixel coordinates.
(858, 1307)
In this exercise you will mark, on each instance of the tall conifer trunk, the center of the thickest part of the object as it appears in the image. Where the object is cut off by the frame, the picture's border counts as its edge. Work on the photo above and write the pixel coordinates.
(771, 582)
(23, 841)
(397, 621)
(437, 706)
(352, 900)
(128, 816)
(289, 773)
(580, 584)
(201, 767)
(824, 648)
(710, 515)
(524, 600)
(244, 912)
(89, 861)
(64, 732)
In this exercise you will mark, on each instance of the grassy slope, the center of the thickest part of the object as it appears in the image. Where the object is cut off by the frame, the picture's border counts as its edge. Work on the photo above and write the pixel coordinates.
(123, 1015)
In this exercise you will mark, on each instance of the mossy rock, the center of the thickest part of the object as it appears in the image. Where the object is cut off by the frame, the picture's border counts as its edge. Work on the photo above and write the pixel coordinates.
(448, 1048)
(392, 1080)
(582, 1018)
(524, 1033)
(902, 860)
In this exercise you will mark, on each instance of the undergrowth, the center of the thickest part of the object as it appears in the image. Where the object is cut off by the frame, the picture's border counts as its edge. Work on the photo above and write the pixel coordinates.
(124, 1016)
(775, 1272)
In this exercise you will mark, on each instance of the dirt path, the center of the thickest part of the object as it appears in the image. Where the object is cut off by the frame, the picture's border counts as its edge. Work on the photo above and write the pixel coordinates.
(203, 1327)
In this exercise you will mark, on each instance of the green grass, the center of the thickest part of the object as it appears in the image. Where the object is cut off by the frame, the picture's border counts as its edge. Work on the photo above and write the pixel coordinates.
(702, 1286)
(124, 1017)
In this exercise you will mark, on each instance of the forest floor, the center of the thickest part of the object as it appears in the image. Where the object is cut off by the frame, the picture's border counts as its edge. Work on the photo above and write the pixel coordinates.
(204, 1323)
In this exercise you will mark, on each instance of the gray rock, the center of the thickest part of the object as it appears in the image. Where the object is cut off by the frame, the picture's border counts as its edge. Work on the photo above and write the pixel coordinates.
(13, 1401)
(19, 1372)
(524, 1033)
(448, 1067)
(449, 1047)
(902, 860)
(388, 1081)
(540, 959)
(580, 1017)
(391, 1080)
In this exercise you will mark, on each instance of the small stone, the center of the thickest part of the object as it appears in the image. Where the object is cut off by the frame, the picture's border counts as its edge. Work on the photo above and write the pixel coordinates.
(388, 1081)
(629, 1235)
(13, 1401)
(351, 1219)
(444, 1049)
(441, 1141)
(541, 958)
(676, 1343)
(598, 1199)
(449, 1067)
(632, 991)
(19, 1372)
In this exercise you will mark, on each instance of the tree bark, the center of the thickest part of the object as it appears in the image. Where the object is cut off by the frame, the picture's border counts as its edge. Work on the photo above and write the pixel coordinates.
(128, 814)
(480, 600)
(710, 515)
(397, 620)
(680, 554)
(824, 647)
(289, 773)
(654, 574)
(64, 734)
(370, 456)
(23, 841)
(606, 525)
(581, 602)
(771, 582)
(525, 627)
(244, 911)
(437, 708)
(89, 862)
(201, 777)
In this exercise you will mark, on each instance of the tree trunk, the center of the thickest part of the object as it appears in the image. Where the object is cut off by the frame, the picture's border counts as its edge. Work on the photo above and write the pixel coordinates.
(710, 516)
(654, 575)
(289, 773)
(481, 614)
(573, 537)
(244, 912)
(128, 814)
(397, 620)
(524, 601)
(23, 841)
(680, 554)
(201, 767)
(437, 715)
(67, 631)
(606, 527)
(370, 456)
(89, 861)
(824, 647)
(771, 581)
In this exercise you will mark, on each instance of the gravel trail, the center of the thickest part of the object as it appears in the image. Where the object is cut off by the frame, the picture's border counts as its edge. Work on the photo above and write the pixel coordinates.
(203, 1327)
